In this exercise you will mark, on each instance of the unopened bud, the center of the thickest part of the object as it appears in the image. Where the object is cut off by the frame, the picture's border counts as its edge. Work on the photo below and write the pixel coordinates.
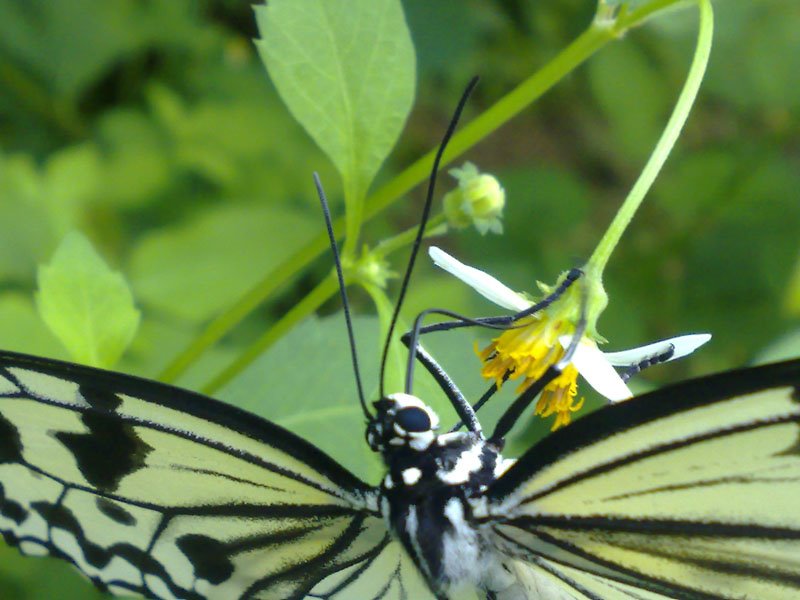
(478, 200)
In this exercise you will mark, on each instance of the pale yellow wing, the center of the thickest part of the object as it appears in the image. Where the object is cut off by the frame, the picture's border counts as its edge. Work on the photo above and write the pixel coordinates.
(692, 491)
(151, 489)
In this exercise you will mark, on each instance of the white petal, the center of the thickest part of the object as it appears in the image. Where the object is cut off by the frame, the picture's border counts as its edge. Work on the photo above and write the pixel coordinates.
(682, 345)
(596, 370)
(483, 283)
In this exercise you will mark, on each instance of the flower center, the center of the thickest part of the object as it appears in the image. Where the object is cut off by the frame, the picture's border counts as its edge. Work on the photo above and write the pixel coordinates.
(525, 353)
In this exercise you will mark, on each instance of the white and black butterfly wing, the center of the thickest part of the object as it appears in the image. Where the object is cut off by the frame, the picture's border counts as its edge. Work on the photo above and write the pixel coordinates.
(692, 491)
(151, 489)
(387, 573)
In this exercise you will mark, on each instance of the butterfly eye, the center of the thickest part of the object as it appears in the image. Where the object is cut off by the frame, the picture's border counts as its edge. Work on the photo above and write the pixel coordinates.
(413, 419)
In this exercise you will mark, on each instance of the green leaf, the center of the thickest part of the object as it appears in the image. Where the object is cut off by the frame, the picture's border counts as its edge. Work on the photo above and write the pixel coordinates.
(305, 383)
(157, 342)
(85, 304)
(394, 375)
(199, 267)
(345, 69)
(40, 205)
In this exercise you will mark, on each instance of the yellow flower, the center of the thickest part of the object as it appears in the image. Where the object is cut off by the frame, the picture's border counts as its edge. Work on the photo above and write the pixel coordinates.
(559, 398)
(534, 343)
(525, 353)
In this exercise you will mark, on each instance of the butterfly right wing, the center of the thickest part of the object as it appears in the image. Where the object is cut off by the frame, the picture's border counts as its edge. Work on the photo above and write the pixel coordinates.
(151, 489)
(692, 491)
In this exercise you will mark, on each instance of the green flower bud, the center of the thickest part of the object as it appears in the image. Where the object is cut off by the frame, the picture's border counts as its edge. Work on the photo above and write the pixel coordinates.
(478, 200)
(369, 268)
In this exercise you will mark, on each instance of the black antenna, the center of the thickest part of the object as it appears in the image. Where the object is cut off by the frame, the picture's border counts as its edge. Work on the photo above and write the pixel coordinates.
(412, 337)
(421, 231)
(343, 293)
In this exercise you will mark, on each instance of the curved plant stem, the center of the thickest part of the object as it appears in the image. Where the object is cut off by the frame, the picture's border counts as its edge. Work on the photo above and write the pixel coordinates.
(683, 106)
(437, 225)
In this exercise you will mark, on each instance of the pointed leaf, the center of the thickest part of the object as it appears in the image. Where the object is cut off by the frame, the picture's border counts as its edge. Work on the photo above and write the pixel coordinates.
(85, 304)
(345, 69)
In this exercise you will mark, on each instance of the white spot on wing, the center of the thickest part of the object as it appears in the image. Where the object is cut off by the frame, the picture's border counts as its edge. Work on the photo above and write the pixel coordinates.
(120, 569)
(157, 586)
(28, 487)
(7, 387)
(202, 587)
(66, 542)
(48, 387)
(31, 548)
(119, 590)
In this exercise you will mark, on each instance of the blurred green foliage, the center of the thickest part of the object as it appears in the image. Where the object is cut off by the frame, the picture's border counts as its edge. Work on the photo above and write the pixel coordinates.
(153, 129)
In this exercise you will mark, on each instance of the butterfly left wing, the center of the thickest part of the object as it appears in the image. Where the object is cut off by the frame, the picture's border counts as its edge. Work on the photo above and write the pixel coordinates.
(152, 489)
(692, 491)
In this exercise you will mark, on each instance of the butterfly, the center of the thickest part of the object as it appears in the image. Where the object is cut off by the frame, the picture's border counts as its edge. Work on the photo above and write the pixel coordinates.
(689, 492)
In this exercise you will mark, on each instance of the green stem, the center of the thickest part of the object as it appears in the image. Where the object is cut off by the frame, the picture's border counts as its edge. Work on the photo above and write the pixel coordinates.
(599, 259)
(308, 305)
(395, 364)
(583, 47)
(405, 238)
(353, 217)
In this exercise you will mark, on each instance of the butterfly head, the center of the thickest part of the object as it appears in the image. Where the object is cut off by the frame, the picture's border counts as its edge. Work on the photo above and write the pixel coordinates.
(401, 420)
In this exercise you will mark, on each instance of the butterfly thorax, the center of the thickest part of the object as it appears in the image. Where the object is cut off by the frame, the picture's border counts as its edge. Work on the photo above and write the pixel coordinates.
(425, 495)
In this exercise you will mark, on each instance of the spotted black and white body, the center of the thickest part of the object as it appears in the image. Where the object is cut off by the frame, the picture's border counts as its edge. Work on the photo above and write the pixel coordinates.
(427, 492)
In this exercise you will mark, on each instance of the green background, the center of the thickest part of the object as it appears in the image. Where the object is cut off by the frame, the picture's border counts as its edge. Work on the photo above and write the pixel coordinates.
(152, 128)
